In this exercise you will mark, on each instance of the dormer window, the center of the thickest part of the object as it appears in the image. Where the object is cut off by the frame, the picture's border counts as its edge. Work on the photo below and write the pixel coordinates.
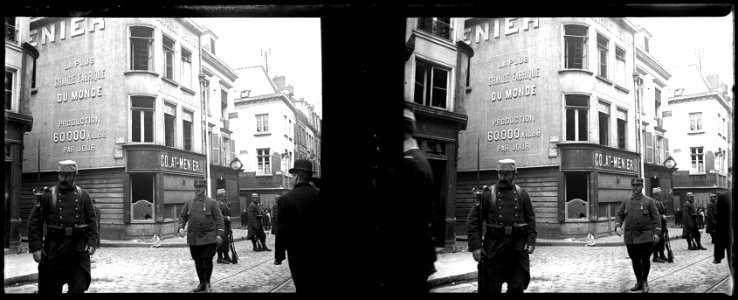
(678, 92)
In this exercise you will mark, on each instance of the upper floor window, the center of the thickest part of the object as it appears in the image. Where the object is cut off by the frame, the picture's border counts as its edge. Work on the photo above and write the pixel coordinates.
(170, 115)
(602, 58)
(263, 162)
(622, 128)
(11, 30)
(437, 26)
(604, 114)
(262, 123)
(577, 108)
(695, 121)
(698, 160)
(620, 73)
(186, 77)
(223, 104)
(142, 41)
(187, 119)
(9, 88)
(575, 46)
(645, 43)
(678, 92)
(142, 119)
(431, 84)
(168, 48)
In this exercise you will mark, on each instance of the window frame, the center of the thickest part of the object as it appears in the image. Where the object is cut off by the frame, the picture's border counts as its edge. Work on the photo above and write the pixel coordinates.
(188, 139)
(263, 168)
(185, 81)
(621, 75)
(584, 47)
(153, 200)
(16, 31)
(696, 119)
(14, 90)
(602, 49)
(624, 136)
(436, 29)
(697, 156)
(429, 73)
(168, 57)
(600, 112)
(167, 119)
(567, 200)
(577, 117)
(262, 123)
(151, 41)
(142, 112)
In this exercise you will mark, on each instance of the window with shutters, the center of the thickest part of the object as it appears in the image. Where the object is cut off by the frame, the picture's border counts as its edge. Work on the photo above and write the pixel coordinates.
(622, 118)
(575, 47)
(577, 108)
(168, 49)
(187, 120)
(142, 119)
(263, 162)
(142, 42)
(170, 116)
(431, 84)
(604, 113)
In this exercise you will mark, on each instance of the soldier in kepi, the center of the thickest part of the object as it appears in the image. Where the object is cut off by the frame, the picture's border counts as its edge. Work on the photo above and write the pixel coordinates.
(205, 233)
(642, 229)
(256, 226)
(658, 251)
(507, 212)
(71, 234)
(223, 257)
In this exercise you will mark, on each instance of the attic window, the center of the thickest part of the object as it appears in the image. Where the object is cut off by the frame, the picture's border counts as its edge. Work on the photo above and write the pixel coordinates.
(245, 93)
(678, 92)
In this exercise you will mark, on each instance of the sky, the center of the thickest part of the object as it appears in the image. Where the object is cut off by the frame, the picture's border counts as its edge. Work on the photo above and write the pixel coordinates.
(295, 45)
(675, 41)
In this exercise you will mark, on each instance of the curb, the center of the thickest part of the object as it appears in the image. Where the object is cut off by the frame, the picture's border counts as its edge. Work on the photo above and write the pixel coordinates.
(113, 244)
(560, 243)
(22, 279)
(451, 279)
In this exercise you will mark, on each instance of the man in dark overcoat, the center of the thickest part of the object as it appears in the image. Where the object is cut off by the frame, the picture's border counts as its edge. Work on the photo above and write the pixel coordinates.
(299, 215)
(658, 250)
(63, 255)
(690, 231)
(205, 232)
(256, 225)
(710, 215)
(642, 229)
(507, 213)
(225, 209)
(725, 232)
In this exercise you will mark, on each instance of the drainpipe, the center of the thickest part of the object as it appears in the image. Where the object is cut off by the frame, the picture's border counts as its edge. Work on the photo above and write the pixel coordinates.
(203, 114)
(637, 86)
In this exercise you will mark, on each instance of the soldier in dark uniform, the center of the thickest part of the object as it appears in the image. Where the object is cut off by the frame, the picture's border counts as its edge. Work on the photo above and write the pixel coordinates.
(510, 235)
(690, 231)
(658, 250)
(71, 234)
(205, 232)
(298, 223)
(642, 229)
(225, 209)
(710, 217)
(256, 226)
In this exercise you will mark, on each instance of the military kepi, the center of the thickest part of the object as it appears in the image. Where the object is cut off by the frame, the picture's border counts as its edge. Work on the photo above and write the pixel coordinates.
(68, 166)
(200, 182)
(220, 192)
(506, 165)
(656, 190)
(636, 181)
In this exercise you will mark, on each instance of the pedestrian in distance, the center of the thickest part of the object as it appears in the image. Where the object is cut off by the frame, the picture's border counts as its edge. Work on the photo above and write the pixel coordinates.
(225, 210)
(63, 254)
(503, 254)
(256, 225)
(298, 224)
(658, 251)
(710, 220)
(205, 232)
(690, 231)
(701, 217)
(642, 229)
(407, 246)
(267, 219)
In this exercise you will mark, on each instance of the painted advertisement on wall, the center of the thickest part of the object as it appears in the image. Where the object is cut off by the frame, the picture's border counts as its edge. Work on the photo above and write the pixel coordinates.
(513, 106)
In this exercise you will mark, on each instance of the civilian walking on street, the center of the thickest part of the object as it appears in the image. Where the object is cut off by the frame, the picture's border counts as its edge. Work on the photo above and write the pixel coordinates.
(256, 225)
(503, 254)
(225, 210)
(642, 229)
(205, 232)
(63, 256)
(689, 229)
(658, 251)
(710, 220)
(297, 228)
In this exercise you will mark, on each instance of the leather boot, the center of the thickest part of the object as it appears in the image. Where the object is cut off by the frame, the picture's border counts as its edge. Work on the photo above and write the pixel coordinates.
(645, 286)
(699, 245)
(200, 276)
(264, 245)
(255, 246)
(689, 244)
(207, 288)
(207, 271)
(638, 286)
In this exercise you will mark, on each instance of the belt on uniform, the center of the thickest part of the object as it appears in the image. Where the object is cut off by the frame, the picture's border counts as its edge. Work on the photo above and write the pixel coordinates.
(68, 231)
(508, 229)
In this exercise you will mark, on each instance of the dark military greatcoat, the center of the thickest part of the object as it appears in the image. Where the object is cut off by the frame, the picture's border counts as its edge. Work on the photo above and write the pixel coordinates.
(688, 223)
(256, 226)
(205, 221)
(641, 219)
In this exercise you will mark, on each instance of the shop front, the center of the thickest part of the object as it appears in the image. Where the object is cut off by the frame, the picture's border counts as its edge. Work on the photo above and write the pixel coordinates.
(596, 179)
(157, 182)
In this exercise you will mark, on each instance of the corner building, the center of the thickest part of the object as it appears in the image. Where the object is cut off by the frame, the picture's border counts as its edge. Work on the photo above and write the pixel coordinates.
(121, 97)
(557, 96)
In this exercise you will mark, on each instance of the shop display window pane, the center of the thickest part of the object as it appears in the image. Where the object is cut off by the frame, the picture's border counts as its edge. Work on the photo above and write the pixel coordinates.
(142, 197)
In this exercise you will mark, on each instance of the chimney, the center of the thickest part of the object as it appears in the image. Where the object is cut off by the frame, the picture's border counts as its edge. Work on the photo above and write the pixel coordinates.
(714, 81)
(280, 81)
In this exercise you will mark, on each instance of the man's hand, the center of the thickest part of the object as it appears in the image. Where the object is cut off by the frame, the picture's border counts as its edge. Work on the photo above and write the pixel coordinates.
(477, 254)
(37, 256)
(619, 231)
(90, 249)
(218, 240)
(656, 238)
(181, 232)
(530, 248)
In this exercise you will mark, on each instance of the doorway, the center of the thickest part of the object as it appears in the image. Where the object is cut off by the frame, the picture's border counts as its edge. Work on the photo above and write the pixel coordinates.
(438, 227)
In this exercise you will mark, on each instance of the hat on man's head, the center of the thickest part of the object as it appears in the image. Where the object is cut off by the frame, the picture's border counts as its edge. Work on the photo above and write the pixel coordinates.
(636, 181)
(656, 190)
(68, 166)
(220, 192)
(713, 195)
(200, 182)
(690, 194)
(507, 165)
(302, 165)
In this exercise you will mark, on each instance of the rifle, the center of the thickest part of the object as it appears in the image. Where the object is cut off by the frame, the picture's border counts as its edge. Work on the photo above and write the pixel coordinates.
(667, 244)
(234, 257)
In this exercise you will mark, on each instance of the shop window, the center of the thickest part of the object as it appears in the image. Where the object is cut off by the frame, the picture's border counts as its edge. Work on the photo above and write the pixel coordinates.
(577, 107)
(187, 130)
(620, 73)
(142, 119)
(622, 128)
(170, 114)
(186, 76)
(9, 88)
(142, 41)
(698, 160)
(431, 84)
(695, 121)
(168, 48)
(602, 51)
(604, 114)
(142, 197)
(262, 123)
(11, 29)
(577, 203)
(440, 27)
(575, 46)
(263, 163)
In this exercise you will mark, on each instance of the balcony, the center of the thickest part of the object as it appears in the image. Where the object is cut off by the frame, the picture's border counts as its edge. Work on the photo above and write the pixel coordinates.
(435, 27)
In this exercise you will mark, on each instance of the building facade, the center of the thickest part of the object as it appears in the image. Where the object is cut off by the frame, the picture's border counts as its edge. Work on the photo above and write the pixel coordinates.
(123, 98)
(557, 96)
(436, 85)
(20, 84)
(699, 117)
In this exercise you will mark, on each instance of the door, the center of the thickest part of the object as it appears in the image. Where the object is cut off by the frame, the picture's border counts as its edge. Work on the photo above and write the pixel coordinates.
(439, 206)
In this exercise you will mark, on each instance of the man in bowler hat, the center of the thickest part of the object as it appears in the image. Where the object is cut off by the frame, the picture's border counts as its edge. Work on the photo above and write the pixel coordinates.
(297, 228)
(205, 232)
(642, 229)
(63, 256)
